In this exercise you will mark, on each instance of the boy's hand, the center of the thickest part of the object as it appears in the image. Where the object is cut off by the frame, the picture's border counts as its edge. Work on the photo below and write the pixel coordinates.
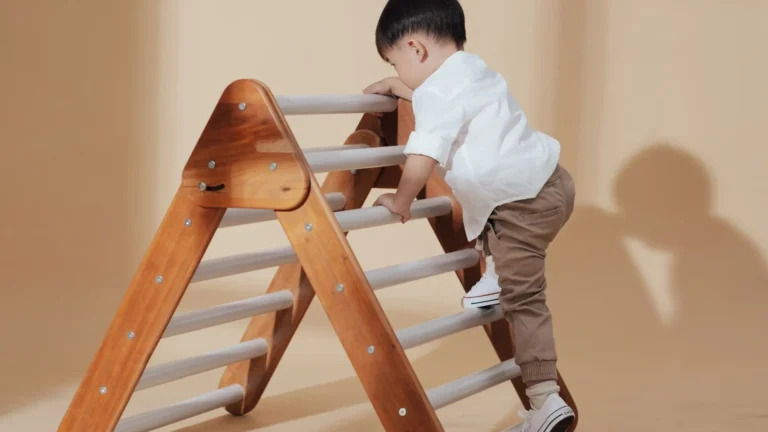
(388, 200)
(391, 86)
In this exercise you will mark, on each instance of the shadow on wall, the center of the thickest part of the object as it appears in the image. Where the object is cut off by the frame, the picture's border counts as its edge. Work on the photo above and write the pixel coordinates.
(76, 113)
(607, 322)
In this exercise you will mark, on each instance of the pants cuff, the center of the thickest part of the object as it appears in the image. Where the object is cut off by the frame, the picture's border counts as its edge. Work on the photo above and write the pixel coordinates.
(539, 371)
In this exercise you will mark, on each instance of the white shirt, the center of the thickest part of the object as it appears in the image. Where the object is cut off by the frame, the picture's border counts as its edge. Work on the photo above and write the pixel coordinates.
(469, 123)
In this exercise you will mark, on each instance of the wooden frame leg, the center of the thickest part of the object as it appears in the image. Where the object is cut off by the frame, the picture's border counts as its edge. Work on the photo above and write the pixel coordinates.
(147, 307)
(278, 328)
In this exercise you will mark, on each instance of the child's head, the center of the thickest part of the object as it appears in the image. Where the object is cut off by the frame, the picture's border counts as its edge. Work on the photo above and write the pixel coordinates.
(416, 36)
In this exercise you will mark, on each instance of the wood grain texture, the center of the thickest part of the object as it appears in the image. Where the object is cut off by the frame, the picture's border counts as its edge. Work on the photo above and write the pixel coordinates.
(357, 317)
(243, 144)
(145, 311)
(278, 328)
(449, 230)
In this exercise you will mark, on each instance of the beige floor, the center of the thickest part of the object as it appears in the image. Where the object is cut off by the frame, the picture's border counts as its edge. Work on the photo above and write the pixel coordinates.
(704, 372)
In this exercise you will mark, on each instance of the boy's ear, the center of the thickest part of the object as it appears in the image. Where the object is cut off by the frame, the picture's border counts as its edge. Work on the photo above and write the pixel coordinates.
(418, 49)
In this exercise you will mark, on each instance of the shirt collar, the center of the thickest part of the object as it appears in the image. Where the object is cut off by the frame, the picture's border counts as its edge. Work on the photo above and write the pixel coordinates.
(458, 70)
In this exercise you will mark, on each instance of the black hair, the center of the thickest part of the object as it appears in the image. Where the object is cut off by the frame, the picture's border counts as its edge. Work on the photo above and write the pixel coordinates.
(441, 19)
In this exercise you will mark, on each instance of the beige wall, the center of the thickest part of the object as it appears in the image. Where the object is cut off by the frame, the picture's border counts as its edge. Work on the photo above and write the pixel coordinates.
(658, 284)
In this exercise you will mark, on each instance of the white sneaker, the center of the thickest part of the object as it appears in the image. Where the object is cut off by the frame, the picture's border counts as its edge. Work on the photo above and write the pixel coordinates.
(486, 291)
(554, 416)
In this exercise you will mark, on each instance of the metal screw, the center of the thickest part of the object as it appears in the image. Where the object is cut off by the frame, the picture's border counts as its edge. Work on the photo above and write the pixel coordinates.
(131, 335)
(402, 412)
(340, 288)
(211, 164)
(158, 279)
(308, 227)
(202, 186)
(103, 390)
(241, 106)
(371, 349)
(354, 171)
(272, 166)
(188, 223)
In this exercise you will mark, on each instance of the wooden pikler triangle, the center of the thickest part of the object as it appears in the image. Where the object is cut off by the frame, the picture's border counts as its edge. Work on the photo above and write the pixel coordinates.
(245, 168)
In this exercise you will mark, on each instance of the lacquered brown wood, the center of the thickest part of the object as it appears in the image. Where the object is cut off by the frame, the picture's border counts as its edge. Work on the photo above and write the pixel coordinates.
(449, 230)
(248, 149)
(144, 313)
(278, 328)
(357, 317)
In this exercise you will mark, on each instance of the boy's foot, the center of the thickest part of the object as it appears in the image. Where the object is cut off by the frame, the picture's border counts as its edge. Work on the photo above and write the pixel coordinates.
(554, 416)
(486, 291)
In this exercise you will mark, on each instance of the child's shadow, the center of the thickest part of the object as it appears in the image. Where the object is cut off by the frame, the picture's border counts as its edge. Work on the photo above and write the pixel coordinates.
(707, 350)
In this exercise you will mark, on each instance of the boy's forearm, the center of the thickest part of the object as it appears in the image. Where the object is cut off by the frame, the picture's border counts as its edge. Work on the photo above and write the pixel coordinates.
(402, 91)
(415, 175)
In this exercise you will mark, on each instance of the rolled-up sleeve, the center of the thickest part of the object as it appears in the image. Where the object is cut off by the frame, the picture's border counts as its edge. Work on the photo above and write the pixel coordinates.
(438, 122)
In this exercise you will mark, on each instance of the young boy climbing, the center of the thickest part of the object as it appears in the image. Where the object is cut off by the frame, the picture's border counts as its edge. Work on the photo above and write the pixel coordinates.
(514, 194)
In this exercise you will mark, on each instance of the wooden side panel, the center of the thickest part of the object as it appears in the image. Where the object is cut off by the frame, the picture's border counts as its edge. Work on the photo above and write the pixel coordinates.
(278, 328)
(449, 230)
(357, 317)
(146, 309)
(246, 155)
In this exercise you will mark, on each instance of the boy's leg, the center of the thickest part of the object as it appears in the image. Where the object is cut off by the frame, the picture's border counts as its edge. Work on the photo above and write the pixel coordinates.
(518, 238)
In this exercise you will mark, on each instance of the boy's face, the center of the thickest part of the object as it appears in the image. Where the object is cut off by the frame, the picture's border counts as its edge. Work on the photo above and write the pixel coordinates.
(409, 60)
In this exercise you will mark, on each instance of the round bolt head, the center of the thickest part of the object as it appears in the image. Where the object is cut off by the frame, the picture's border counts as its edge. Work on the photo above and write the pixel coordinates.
(188, 223)
(354, 171)
(371, 349)
(402, 412)
(131, 335)
(241, 106)
(103, 390)
(159, 280)
(211, 164)
(308, 227)
(339, 287)
(202, 186)
(272, 166)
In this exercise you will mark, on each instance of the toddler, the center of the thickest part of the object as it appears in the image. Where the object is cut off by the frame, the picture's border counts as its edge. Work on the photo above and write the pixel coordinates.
(514, 194)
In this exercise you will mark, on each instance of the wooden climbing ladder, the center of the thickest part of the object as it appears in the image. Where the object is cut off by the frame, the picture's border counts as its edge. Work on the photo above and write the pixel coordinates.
(246, 168)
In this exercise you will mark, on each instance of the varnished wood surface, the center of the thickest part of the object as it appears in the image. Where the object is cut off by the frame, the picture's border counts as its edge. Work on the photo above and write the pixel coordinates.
(248, 149)
(144, 313)
(278, 328)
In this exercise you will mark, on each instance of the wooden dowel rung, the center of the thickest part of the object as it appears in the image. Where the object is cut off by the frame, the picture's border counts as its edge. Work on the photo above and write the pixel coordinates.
(421, 269)
(438, 328)
(164, 373)
(238, 216)
(183, 410)
(370, 217)
(469, 385)
(346, 160)
(337, 147)
(243, 263)
(228, 312)
(349, 220)
(335, 104)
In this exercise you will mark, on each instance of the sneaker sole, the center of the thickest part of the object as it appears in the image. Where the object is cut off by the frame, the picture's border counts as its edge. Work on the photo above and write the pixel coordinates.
(559, 421)
(480, 301)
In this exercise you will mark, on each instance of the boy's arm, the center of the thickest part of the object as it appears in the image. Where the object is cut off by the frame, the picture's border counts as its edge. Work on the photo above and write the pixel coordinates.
(415, 174)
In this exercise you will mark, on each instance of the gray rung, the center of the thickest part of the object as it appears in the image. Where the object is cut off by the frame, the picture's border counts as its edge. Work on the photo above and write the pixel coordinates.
(161, 374)
(332, 148)
(238, 216)
(335, 104)
(348, 220)
(183, 410)
(469, 385)
(432, 330)
(422, 269)
(243, 263)
(355, 159)
(229, 312)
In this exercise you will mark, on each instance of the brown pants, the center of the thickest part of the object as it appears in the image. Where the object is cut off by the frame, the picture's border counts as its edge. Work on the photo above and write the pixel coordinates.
(517, 236)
